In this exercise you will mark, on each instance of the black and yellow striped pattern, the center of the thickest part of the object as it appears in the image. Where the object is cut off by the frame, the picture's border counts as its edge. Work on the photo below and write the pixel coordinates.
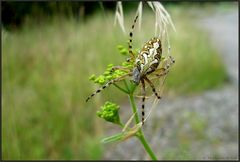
(130, 39)
(146, 62)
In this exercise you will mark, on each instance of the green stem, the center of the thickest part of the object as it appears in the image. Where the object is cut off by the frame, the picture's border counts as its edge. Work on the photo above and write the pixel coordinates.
(134, 108)
(120, 88)
(121, 125)
(126, 85)
(140, 135)
(146, 145)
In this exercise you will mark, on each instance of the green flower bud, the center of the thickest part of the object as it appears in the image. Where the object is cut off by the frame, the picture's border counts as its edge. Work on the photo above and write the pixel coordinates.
(109, 112)
(106, 73)
(109, 77)
(101, 80)
(111, 73)
(123, 51)
(127, 64)
(120, 47)
(92, 77)
(110, 65)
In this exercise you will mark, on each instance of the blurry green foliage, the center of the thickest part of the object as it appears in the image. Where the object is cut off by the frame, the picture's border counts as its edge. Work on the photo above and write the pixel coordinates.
(45, 81)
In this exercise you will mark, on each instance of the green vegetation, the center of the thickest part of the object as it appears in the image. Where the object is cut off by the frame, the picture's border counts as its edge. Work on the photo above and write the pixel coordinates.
(46, 67)
(198, 66)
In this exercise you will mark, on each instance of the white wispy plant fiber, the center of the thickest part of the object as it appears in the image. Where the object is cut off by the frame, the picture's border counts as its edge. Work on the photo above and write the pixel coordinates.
(162, 22)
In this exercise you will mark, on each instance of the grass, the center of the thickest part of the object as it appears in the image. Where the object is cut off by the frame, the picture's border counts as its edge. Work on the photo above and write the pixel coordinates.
(198, 66)
(45, 81)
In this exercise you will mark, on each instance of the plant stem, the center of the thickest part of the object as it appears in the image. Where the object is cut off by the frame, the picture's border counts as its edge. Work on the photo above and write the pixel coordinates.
(146, 145)
(134, 108)
(126, 85)
(140, 135)
(120, 88)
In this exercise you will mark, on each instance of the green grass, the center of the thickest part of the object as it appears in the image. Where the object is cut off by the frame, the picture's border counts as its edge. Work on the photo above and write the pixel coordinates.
(45, 81)
(198, 66)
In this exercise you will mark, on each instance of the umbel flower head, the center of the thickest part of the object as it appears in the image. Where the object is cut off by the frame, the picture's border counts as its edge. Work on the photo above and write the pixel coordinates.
(109, 112)
(110, 74)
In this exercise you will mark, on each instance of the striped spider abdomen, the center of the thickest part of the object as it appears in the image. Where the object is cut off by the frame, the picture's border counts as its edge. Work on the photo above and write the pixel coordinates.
(145, 63)
(148, 59)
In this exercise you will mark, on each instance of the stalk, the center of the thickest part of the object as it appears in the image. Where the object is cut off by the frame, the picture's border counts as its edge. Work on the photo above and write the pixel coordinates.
(120, 88)
(140, 133)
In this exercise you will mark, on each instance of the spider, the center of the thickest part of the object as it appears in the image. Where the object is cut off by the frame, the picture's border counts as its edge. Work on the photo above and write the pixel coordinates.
(145, 63)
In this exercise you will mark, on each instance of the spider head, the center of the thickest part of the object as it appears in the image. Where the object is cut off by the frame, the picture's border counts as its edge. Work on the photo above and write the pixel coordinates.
(136, 76)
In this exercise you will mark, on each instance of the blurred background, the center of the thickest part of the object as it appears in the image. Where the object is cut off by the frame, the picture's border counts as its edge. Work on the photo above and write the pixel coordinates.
(50, 49)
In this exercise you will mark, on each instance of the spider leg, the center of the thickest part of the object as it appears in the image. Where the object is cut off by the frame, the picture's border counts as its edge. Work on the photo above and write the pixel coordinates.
(164, 70)
(170, 60)
(107, 85)
(121, 68)
(143, 99)
(153, 87)
(130, 40)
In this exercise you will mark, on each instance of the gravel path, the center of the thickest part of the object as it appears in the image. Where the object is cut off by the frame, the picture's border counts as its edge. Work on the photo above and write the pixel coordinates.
(197, 127)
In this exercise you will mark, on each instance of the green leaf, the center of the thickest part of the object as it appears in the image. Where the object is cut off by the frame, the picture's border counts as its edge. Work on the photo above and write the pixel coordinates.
(113, 138)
